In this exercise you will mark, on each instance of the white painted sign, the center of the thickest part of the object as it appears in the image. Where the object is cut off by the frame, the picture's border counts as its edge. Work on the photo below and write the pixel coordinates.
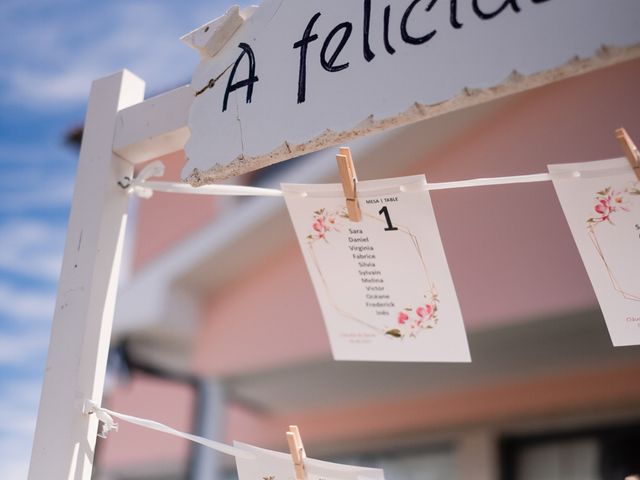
(292, 76)
(383, 283)
(602, 206)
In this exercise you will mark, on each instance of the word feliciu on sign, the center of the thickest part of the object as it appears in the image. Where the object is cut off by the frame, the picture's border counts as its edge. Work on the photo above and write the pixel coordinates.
(331, 46)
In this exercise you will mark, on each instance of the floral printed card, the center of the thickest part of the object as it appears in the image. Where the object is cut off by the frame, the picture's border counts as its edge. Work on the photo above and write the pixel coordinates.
(270, 465)
(383, 283)
(601, 201)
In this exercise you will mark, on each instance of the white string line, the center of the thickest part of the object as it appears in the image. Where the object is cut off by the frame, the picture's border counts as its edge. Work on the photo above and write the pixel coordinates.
(144, 188)
(104, 415)
(108, 424)
(171, 187)
(479, 182)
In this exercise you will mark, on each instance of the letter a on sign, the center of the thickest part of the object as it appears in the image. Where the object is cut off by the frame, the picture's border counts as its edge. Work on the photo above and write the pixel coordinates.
(247, 83)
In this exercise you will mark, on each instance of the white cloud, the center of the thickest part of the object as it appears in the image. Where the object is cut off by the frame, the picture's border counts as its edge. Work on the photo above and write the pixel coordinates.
(19, 351)
(41, 192)
(16, 453)
(65, 56)
(21, 399)
(21, 306)
(18, 413)
(35, 177)
(56, 196)
(70, 85)
(31, 248)
(24, 157)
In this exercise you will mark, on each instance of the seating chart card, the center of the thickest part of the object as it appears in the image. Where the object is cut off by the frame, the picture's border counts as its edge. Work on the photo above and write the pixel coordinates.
(383, 283)
(270, 465)
(602, 206)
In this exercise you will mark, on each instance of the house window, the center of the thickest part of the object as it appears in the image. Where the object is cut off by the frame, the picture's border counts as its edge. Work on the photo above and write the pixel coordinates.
(560, 460)
(432, 462)
(428, 465)
(606, 453)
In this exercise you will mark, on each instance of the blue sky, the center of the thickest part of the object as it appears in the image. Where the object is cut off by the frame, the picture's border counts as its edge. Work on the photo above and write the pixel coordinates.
(50, 53)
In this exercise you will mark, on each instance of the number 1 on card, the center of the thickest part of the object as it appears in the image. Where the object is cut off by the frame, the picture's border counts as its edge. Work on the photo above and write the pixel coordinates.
(384, 211)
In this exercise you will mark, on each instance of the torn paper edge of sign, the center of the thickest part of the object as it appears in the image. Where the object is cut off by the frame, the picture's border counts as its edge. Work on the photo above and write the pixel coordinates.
(209, 38)
(515, 83)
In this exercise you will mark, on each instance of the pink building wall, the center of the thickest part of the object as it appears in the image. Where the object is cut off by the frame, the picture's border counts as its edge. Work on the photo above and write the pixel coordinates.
(169, 218)
(160, 400)
(509, 249)
(268, 319)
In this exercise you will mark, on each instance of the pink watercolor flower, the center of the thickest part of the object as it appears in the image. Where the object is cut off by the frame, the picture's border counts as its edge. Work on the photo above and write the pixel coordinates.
(425, 311)
(413, 320)
(603, 207)
(609, 202)
(322, 224)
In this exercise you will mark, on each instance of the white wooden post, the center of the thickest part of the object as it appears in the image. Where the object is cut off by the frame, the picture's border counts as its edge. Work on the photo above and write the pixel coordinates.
(65, 438)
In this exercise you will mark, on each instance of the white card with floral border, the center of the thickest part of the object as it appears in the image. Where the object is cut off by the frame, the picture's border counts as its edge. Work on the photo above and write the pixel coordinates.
(270, 465)
(383, 283)
(601, 201)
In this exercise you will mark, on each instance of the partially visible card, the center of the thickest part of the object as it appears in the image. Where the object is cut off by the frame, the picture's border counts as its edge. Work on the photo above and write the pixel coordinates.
(270, 465)
(602, 206)
(383, 283)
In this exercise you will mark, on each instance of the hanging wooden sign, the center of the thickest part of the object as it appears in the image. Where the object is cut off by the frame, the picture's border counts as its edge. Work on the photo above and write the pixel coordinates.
(291, 77)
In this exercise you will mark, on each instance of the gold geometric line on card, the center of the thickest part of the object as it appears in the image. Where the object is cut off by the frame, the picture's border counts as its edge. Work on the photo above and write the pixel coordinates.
(610, 273)
(609, 202)
(430, 286)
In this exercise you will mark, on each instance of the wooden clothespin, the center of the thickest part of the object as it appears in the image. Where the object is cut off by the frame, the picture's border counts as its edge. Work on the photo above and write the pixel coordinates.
(349, 183)
(630, 150)
(297, 451)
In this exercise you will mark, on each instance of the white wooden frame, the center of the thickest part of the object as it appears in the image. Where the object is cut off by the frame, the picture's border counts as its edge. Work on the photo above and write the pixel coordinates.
(65, 438)
(122, 130)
